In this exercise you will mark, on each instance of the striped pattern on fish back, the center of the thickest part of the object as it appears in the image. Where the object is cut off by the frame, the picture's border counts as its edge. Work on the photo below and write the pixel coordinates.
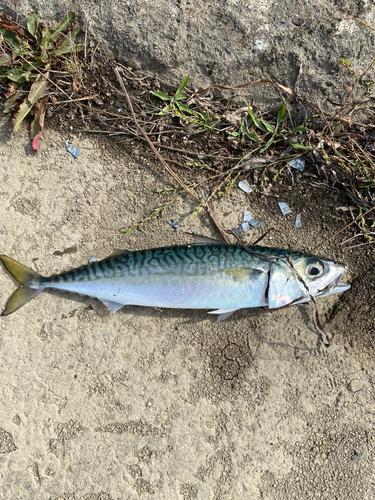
(184, 260)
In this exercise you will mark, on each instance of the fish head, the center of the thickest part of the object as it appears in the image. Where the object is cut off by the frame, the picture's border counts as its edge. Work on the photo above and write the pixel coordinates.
(288, 284)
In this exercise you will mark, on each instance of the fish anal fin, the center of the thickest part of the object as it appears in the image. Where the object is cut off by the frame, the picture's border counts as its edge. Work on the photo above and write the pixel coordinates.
(223, 313)
(112, 306)
(224, 316)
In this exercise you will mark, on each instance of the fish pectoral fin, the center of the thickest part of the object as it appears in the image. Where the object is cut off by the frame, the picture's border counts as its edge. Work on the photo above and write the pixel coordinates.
(223, 313)
(112, 306)
(242, 273)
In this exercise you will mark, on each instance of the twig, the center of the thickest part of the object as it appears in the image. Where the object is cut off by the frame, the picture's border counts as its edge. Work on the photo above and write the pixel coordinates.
(201, 91)
(158, 155)
(56, 103)
(44, 76)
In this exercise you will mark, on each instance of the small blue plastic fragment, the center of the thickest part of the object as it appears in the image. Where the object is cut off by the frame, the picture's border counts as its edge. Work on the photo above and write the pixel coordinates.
(255, 223)
(298, 164)
(285, 208)
(247, 216)
(245, 226)
(173, 224)
(298, 223)
(237, 230)
(244, 186)
(92, 259)
(72, 150)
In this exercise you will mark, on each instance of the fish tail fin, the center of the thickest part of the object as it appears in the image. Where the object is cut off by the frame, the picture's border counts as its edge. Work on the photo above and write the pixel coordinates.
(27, 278)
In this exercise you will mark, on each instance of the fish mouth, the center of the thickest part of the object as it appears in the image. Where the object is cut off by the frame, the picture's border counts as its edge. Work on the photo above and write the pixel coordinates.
(334, 287)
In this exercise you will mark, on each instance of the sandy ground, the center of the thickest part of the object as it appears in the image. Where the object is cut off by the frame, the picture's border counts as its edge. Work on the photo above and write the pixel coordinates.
(171, 404)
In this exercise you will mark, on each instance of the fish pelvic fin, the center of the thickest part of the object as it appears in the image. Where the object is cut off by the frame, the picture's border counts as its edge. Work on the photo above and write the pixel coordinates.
(28, 279)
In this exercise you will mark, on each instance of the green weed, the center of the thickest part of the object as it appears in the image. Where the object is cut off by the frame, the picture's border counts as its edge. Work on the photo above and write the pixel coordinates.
(31, 61)
(175, 100)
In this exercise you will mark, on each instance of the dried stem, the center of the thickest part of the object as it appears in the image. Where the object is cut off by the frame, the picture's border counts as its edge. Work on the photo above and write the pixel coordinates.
(167, 167)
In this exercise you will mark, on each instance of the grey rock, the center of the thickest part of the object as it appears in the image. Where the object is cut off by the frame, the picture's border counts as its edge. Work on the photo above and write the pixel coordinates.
(227, 42)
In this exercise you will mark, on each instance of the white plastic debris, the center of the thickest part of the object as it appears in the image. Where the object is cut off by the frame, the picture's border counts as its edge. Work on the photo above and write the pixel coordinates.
(247, 216)
(172, 223)
(92, 259)
(72, 150)
(285, 208)
(260, 45)
(245, 226)
(255, 223)
(298, 164)
(298, 223)
(244, 186)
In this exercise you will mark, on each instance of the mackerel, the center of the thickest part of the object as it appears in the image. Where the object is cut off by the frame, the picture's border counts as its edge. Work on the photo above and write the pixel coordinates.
(204, 275)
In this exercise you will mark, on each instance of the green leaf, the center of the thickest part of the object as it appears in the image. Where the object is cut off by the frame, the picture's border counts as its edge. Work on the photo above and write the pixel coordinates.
(253, 137)
(18, 75)
(268, 126)
(55, 34)
(38, 88)
(12, 39)
(300, 129)
(255, 120)
(46, 36)
(22, 112)
(269, 142)
(67, 45)
(5, 60)
(165, 97)
(301, 146)
(280, 115)
(182, 86)
(183, 107)
(32, 24)
(164, 110)
(180, 97)
(45, 45)
(11, 101)
(30, 66)
(3, 75)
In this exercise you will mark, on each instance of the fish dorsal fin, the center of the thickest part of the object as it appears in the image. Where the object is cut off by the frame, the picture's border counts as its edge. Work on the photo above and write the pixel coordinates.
(117, 252)
(199, 239)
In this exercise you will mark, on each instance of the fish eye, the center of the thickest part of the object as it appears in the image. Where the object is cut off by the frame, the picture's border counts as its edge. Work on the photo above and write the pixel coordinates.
(314, 269)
